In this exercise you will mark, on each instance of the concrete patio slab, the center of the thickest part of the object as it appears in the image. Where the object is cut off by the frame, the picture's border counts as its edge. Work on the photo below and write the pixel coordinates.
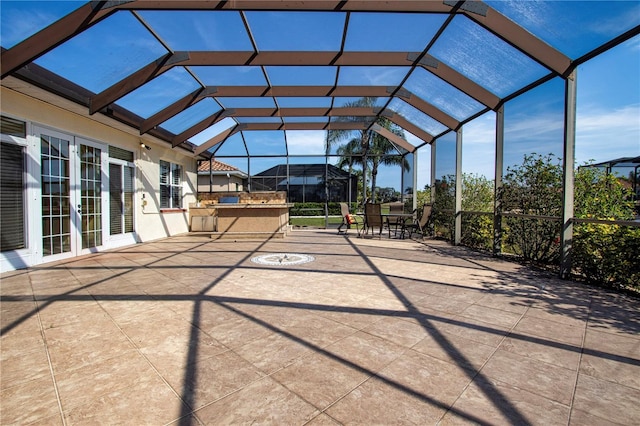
(190, 331)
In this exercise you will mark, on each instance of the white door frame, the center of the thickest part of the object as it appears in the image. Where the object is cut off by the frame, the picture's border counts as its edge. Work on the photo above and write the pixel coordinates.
(104, 194)
(75, 225)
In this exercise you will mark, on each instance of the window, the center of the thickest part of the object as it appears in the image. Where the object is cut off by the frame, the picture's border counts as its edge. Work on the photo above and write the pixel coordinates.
(170, 185)
(12, 210)
(121, 178)
(12, 184)
(121, 190)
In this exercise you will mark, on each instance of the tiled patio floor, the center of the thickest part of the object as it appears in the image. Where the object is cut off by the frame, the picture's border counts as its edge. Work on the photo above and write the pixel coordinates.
(190, 331)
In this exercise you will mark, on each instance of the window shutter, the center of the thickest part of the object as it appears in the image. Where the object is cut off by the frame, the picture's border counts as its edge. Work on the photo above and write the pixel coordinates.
(128, 198)
(115, 198)
(11, 197)
(120, 154)
(12, 127)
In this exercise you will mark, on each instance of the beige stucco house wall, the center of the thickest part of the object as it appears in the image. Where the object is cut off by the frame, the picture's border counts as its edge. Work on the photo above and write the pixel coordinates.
(46, 112)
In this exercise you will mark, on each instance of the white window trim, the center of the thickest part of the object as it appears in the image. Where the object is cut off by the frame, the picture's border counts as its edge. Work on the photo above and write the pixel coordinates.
(171, 185)
(21, 258)
(126, 238)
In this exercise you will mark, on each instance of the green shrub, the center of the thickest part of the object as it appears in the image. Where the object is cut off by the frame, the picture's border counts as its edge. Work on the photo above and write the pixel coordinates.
(307, 209)
(533, 240)
(477, 195)
(603, 253)
(477, 231)
(533, 188)
(607, 254)
(443, 207)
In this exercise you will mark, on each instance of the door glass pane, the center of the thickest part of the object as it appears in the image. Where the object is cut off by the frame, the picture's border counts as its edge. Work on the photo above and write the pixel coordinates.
(90, 183)
(56, 209)
(46, 246)
(57, 245)
(56, 217)
(44, 146)
(55, 225)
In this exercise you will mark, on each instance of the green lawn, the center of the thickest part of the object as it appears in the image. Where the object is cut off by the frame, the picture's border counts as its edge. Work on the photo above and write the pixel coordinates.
(315, 222)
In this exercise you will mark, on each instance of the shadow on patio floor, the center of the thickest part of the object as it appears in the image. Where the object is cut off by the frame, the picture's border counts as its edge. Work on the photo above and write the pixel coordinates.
(373, 331)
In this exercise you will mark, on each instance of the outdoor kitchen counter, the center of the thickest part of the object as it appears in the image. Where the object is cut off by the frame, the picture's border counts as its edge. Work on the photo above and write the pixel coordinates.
(249, 206)
(265, 217)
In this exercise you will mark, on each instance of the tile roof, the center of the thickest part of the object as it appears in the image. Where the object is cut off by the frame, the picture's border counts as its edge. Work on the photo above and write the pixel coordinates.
(217, 166)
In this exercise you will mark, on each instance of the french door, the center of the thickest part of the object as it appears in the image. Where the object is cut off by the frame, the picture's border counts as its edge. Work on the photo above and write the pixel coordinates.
(73, 194)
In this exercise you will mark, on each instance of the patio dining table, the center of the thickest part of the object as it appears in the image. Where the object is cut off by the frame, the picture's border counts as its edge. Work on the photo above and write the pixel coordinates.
(398, 221)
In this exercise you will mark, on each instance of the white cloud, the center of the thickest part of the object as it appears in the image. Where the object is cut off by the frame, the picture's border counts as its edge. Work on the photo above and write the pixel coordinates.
(605, 135)
(306, 142)
(611, 26)
(379, 75)
(534, 130)
(633, 44)
(478, 146)
(18, 25)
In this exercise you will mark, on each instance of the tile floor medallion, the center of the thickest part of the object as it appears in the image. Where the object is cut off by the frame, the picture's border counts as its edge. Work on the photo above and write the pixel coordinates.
(282, 259)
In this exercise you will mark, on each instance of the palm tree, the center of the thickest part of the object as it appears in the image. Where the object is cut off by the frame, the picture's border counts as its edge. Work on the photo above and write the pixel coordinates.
(349, 156)
(369, 148)
(385, 153)
(336, 136)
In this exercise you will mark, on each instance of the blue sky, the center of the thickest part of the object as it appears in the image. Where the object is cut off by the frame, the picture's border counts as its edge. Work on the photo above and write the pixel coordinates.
(608, 120)
(608, 123)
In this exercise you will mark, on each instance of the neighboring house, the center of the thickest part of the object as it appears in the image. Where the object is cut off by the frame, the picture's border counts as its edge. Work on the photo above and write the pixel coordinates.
(73, 183)
(306, 182)
(216, 176)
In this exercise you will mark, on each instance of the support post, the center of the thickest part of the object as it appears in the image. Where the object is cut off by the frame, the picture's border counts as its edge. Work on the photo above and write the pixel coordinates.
(432, 184)
(366, 135)
(499, 165)
(414, 205)
(211, 174)
(289, 179)
(458, 212)
(248, 174)
(568, 159)
(326, 192)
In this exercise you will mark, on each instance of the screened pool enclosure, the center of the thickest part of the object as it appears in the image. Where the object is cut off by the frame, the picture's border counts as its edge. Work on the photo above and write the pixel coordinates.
(385, 86)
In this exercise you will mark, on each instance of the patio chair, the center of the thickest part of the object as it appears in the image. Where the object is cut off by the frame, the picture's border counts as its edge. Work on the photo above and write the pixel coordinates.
(420, 225)
(396, 208)
(395, 222)
(349, 219)
(373, 218)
